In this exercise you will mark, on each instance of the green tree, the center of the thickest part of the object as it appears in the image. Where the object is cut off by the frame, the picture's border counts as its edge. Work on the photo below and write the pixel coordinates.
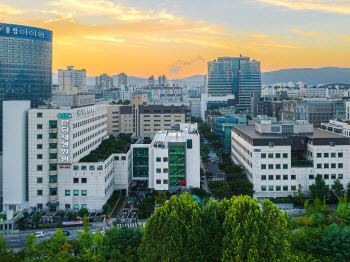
(298, 198)
(319, 189)
(254, 233)
(120, 102)
(61, 214)
(174, 232)
(22, 221)
(248, 117)
(82, 212)
(348, 190)
(337, 190)
(36, 218)
(3, 245)
(105, 209)
(161, 198)
(199, 192)
(126, 102)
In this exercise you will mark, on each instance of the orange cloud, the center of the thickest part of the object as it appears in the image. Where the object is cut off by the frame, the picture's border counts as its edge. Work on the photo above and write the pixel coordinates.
(310, 34)
(6, 10)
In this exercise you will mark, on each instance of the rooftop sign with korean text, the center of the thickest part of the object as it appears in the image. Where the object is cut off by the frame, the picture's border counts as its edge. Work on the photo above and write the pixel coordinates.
(28, 32)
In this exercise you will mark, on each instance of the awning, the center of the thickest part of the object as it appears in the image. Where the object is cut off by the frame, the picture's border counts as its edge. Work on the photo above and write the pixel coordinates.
(52, 204)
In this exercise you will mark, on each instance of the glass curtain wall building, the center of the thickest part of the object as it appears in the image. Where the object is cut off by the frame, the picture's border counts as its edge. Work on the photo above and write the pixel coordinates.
(235, 75)
(25, 65)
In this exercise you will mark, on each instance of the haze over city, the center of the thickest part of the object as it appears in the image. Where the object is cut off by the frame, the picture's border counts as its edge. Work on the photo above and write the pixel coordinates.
(177, 38)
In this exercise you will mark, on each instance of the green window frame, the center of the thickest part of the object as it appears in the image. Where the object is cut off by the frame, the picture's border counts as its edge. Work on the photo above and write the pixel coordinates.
(293, 177)
(270, 166)
(158, 159)
(52, 156)
(39, 180)
(278, 155)
(285, 166)
(285, 177)
(263, 177)
(53, 179)
(278, 188)
(263, 188)
(39, 168)
(311, 177)
(158, 170)
(263, 166)
(333, 165)
(325, 155)
(278, 177)
(123, 157)
(53, 167)
(39, 136)
(53, 135)
(333, 176)
(165, 170)
(333, 155)
(293, 188)
(285, 188)
(39, 192)
(159, 181)
(270, 188)
(326, 165)
(325, 176)
(319, 166)
(340, 176)
(270, 155)
(189, 143)
(340, 154)
(285, 155)
(270, 177)
(263, 155)
(319, 155)
(84, 192)
(53, 191)
(278, 166)
(340, 165)
(76, 192)
(67, 192)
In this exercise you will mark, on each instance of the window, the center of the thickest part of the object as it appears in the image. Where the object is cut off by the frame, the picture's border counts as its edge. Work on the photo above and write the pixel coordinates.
(325, 155)
(271, 144)
(319, 155)
(83, 205)
(158, 181)
(76, 206)
(83, 192)
(325, 165)
(123, 157)
(75, 180)
(333, 155)
(39, 126)
(39, 180)
(333, 176)
(39, 115)
(52, 156)
(52, 146)
(311, 177)
(270, 188)
(39, 146)
(53, 179)
(67, 206)
(39, 192)
(270, 155)
(285, 177)
(189, 143)
(158, 159)
(67, 193)
(332, 144)
(40, 206)
(285, 155)
(75, 168)
(340, 165)
(53, 191)
(76, 192)
(285, 166)
(270, 166)
(39, 156)
(278, 177)
(91, 167)
(159, 170)
(285, 188)
(39, 168)
(319, 165)
(263, 166)
(84, 180)
(263, 155)
(278, 155)
(270, 177)
(278, 166)
(326, 177)
(165, 181)
(333, 166)
(53, 167)
(52, 135)
(263, 177)
(293, 188)
(340, 154)
(340, 176)
(83, 168)
(165, 159)
(263, 188)
(39, 136)
(165, 170)
(293, 177)
(278, 188)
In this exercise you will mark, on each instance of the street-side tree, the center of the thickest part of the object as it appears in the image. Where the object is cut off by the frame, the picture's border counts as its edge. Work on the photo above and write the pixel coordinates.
(61, 214)
(348, 190)
(319, 189)
(174, 232)
(254, 233)
(82, 212)
(35, 219)
(337, 190)
(161, 197)
(298, 198)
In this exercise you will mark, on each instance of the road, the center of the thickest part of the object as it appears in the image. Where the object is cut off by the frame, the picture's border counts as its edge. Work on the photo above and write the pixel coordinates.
(215, 170)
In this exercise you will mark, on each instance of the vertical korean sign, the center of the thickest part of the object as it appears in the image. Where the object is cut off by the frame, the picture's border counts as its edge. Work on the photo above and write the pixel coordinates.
(64, 139)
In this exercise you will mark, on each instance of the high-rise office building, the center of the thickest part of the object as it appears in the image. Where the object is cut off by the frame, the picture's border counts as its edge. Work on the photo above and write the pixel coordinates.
(71, 81)
(162, 80)
(25, 65)
(103, 82)
(235, 75)
(151, 81)
(122, 80)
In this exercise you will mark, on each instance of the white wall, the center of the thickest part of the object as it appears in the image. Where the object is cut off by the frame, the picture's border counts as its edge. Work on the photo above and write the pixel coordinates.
(15, 153)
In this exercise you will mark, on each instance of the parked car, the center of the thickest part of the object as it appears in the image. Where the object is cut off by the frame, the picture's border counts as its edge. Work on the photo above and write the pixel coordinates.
(40, 234)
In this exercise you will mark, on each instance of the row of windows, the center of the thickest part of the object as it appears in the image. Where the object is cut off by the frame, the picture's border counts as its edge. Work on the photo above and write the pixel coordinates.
(86, 130)
(159, 159)
(84, 122)
(271, 166)
(159, 170)
(277, 155)
(75, 192)
(278, 177)
(83, 180)
(327, 155)
(326, 176)
(159, 181)
(333, 165)
(67, 206)
(278, 188)
(88, 146)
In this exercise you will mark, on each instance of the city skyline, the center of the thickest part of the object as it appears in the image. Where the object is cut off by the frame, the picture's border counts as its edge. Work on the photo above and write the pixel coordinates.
(177, 39)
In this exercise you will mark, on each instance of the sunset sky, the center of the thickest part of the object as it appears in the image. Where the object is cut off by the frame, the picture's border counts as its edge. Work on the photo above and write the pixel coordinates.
(178, 37)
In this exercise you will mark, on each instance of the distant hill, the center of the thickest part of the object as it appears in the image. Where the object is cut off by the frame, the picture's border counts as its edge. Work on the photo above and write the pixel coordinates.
(309, 76)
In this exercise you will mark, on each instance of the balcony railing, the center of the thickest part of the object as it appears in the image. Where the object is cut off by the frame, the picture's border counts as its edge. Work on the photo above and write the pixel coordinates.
(302, 163)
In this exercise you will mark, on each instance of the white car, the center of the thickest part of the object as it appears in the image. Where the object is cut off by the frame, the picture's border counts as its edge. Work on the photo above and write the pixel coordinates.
(40, 234)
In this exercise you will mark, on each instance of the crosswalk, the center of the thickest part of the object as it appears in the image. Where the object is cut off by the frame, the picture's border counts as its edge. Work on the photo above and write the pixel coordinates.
(217, 179)
(130, 225)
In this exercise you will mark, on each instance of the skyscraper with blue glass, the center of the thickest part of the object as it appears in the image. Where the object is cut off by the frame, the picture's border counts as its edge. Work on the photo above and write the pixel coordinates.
(25, 65)
(235, 75)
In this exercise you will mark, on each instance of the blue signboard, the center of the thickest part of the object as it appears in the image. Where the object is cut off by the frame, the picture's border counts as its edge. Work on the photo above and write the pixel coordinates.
(257, 150)
(64, 115)
(28, 32)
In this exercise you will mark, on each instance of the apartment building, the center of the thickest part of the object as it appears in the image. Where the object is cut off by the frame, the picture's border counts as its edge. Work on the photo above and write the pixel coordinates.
(278, 157)
(119, 119)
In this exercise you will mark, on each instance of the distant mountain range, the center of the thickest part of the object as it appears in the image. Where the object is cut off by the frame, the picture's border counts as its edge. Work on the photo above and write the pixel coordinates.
(309, 76)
